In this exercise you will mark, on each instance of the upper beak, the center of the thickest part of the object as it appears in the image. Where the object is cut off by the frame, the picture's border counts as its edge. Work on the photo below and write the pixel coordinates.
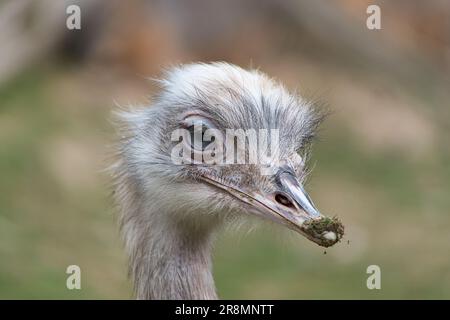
(289, 183)
(289, 205)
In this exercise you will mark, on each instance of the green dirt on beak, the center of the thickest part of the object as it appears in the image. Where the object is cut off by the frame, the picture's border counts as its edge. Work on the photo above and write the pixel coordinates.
(319, 229)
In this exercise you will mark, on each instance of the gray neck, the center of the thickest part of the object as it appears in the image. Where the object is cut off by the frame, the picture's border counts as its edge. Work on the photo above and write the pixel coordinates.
(171, 261)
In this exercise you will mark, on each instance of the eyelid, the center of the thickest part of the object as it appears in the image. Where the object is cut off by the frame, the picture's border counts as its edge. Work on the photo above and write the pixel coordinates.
(195, 119)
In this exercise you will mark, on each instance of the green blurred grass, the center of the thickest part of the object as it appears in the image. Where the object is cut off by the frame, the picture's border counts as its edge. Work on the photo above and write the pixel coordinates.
(396, 211)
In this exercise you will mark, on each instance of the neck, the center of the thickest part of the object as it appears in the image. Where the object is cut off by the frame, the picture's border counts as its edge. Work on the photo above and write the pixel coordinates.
(171, 261)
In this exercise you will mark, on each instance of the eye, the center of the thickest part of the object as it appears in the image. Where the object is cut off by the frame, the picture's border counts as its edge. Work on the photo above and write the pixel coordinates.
(196, 126)
(197, 140)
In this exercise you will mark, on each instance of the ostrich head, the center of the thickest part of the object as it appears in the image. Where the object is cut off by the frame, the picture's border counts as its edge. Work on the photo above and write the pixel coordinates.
(170, 208)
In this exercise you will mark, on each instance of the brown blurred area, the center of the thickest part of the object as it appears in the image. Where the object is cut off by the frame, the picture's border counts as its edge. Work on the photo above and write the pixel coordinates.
(382, 160)
(142, 36)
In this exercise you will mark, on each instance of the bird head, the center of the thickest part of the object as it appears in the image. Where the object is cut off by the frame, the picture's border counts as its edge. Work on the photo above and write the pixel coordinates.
(219, 140)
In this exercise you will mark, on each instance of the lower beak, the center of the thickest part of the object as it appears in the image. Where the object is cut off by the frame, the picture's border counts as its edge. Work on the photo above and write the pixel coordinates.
(291, 206)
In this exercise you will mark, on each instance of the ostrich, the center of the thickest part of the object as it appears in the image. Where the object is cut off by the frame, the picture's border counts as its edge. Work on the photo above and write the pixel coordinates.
(171, 212)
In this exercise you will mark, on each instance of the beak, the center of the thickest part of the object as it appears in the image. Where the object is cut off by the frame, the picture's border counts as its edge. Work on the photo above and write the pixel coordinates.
(290, 185)
(289, 205)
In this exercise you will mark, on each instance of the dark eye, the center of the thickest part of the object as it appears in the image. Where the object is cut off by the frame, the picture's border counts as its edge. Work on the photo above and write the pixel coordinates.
(196, 126)
(197, 137)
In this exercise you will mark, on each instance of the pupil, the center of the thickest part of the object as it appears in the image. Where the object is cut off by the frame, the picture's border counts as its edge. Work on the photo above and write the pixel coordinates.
(204, 144)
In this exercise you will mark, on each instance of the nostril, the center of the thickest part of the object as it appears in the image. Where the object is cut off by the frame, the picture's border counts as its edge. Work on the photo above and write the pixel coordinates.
(284, 200)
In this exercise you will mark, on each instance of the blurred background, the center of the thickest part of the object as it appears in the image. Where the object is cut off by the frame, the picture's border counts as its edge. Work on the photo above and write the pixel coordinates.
(382, 160)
